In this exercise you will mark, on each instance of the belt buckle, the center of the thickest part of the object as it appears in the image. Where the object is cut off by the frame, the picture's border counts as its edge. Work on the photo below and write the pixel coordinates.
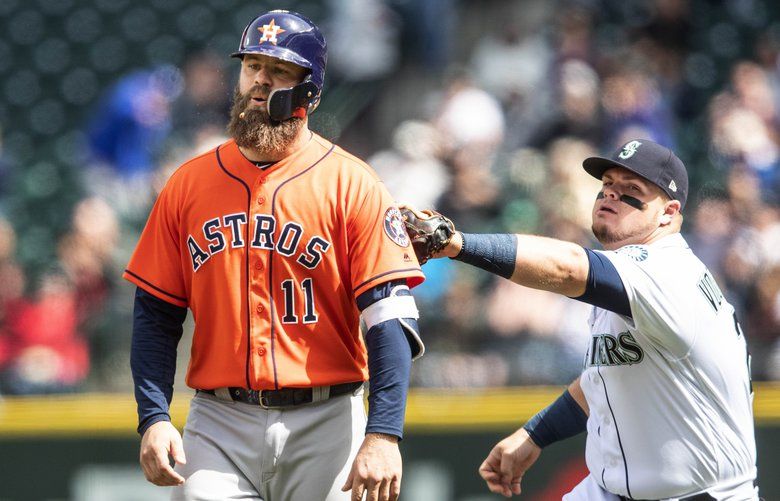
(262, 400)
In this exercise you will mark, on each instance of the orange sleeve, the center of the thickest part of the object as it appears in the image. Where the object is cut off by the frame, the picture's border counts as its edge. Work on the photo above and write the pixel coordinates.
(379, 248)
(156, 263)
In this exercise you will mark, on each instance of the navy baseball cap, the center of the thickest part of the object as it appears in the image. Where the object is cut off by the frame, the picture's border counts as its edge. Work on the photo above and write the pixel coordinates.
(656, 163)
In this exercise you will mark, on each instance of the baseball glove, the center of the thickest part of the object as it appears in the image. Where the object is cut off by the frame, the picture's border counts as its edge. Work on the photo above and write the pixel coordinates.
(429, 235)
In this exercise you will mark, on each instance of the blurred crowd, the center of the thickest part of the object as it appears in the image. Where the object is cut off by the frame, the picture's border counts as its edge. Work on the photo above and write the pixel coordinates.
(485, 115)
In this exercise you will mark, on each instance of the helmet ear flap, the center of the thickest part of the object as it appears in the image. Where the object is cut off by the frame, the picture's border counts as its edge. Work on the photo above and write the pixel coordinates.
(297, 101)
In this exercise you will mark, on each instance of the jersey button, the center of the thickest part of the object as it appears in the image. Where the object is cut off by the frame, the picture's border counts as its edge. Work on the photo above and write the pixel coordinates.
(260, 200)
(259, 308)
(262, 180)
(261, 351)
(259, 266)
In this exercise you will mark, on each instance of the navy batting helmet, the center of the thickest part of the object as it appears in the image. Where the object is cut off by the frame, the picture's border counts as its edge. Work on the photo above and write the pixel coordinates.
(291, 37)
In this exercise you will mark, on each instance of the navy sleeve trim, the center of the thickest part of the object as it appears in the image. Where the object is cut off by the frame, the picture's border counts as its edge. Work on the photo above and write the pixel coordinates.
(604, 287)
(401, 270)
(380, 291)
(161, 291)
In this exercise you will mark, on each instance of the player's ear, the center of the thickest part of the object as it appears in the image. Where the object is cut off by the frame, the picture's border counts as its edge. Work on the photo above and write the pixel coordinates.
(671, 208)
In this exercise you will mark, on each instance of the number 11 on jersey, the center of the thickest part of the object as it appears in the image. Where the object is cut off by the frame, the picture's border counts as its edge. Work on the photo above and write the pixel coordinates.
(290, 292)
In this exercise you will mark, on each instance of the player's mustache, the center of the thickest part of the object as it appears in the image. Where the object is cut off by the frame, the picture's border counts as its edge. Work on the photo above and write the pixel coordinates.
(243, 99)
(627, 199)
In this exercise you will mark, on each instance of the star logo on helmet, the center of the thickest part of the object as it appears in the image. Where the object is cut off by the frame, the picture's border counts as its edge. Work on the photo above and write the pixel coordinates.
(269, 32)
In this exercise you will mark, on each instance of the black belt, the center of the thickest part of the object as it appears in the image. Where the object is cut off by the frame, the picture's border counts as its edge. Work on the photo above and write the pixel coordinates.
(286, 397)
(698, 497)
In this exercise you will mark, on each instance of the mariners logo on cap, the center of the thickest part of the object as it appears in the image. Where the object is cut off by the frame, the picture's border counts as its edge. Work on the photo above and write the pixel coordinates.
(394, 227)
(629, 149)
(269, 32)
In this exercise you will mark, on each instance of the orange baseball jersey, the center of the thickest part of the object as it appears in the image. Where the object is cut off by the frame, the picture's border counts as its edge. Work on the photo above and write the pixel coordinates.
(270, 263)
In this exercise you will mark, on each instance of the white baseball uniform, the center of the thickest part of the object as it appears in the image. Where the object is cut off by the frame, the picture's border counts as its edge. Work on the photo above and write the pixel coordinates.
(669, 388)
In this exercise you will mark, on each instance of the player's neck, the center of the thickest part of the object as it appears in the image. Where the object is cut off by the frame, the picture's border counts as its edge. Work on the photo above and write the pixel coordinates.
(257, 155)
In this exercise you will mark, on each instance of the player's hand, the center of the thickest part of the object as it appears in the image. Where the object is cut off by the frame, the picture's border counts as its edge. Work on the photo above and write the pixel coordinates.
(376, 470)
(159, 441)
(506, 464)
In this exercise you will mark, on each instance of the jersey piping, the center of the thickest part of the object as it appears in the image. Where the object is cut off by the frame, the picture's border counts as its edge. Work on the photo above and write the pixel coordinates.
(271, 266)
(400, 270)
(184, 300)
(617, 432)
(246, 264)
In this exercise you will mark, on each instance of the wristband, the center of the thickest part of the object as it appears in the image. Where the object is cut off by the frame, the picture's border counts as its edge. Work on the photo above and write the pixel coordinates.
(562, 419)
(495, 253)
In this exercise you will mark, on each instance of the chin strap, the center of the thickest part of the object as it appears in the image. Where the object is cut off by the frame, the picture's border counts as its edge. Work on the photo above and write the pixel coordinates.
(284, 104)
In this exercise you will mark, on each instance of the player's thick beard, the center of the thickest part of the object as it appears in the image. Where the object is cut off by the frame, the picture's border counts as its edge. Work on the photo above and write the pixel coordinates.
(256, 130)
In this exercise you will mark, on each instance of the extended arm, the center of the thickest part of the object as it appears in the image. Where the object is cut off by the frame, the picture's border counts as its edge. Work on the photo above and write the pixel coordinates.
(547, 264)
(539, 262)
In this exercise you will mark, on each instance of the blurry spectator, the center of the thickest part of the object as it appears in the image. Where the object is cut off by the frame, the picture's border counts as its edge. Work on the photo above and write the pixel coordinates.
(711, 232)
(44, 348)
(570, 191)
(634, 106)
(470, 123)
(762, 320)
(85, 253)
(133, 120)
(740, 136)
(129, 126)
(411, 170)
(469, 118)
(364, 57)
(670, 26)
(369, 49)
(510, 64)
(48, 353)
(430, 32)
(754, 244)
(767, 50)
(665, 41)
(753, 91)
(574, 33)
(577, 109)
(12, 285)
(514, 66)
(204, 103)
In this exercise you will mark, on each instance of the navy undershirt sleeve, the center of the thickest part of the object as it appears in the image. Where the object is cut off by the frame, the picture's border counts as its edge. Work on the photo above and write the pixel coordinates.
(389, 364)
(157, 329)
(605, 288)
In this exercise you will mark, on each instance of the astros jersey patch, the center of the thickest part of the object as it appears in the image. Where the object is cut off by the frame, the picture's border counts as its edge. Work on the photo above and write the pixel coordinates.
(270, 262)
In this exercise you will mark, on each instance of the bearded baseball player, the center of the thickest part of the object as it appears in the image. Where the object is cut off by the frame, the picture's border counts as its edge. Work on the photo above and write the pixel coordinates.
(281, 244)
(665, 395)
